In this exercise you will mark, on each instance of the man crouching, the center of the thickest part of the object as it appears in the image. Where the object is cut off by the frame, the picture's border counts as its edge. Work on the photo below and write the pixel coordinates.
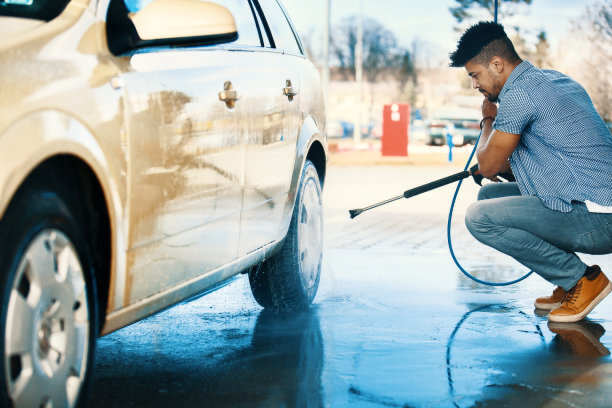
(548, 133)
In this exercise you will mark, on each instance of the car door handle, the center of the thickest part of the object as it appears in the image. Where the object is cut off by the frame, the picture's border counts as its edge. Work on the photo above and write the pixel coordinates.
(289, 90)
(228, 95)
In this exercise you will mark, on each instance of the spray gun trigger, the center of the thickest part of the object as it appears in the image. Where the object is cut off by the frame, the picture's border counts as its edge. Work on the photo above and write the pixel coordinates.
(477, 177)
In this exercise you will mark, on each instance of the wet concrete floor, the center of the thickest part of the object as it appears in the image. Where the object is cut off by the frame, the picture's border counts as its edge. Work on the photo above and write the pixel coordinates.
(394, 324)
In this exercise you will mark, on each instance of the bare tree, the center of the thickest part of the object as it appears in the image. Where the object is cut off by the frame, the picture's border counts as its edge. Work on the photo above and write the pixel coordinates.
(595, 26)
(382, 56)
(538, 53)
(308, 39)
(520, 43)
(541, 56)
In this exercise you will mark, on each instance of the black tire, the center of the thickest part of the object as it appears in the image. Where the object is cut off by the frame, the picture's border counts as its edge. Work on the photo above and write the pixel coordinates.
(278, 283)
(36, 211)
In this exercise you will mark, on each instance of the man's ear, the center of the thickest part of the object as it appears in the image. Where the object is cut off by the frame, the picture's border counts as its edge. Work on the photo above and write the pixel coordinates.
(497, 65)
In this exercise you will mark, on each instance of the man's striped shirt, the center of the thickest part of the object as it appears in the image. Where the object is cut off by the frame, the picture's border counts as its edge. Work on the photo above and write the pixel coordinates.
(565, 150)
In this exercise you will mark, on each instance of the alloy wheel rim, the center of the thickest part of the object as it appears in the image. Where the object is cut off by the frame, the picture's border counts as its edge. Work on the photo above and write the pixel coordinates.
(310, 234)
(47, 325)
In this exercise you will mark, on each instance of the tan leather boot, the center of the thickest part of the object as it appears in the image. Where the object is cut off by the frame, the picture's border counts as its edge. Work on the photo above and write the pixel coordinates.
(591, 289)
(551, 302)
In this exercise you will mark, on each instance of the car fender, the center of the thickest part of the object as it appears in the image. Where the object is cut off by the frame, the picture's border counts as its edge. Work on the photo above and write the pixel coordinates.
(40, 135)
(309, 134)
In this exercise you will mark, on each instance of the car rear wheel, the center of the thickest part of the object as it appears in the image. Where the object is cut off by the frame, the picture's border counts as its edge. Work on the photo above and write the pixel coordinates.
(48, 316)
(289, 280)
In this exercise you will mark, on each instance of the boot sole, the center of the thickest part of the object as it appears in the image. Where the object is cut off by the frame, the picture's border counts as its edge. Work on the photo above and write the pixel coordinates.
(579, 316)
(546, 306)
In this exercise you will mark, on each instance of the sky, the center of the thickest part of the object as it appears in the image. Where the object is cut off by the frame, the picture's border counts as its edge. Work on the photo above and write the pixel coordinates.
(430, 21)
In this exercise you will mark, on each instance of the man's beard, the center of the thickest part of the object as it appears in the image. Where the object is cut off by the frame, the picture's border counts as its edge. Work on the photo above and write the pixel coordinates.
(489, 96)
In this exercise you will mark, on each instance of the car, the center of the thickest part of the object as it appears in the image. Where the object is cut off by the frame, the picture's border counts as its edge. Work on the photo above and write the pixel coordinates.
(150, 151)
(462, 124)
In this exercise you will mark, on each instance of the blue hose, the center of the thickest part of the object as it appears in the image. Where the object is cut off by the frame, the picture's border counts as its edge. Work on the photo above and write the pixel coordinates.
(450, 242)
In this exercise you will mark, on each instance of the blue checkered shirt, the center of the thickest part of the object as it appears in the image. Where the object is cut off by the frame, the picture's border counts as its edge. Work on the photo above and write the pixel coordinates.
(565, 150)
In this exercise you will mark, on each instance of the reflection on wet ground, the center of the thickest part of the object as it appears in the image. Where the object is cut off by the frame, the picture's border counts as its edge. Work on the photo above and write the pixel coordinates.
(392, 344)
(394, 325)
(194, 356)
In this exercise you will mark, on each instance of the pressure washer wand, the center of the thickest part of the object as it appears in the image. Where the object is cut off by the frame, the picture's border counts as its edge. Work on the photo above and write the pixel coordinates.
(422, 189)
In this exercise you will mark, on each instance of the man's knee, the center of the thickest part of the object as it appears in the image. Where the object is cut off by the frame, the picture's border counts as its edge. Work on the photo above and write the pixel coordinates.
(498, 190)
(485, 192)
(476, 219)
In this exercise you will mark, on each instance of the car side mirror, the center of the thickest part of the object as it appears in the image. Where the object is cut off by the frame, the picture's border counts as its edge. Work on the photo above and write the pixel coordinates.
(168, 23)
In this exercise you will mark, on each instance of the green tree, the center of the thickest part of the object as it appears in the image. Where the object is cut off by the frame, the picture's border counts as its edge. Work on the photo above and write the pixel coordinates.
(464, 8)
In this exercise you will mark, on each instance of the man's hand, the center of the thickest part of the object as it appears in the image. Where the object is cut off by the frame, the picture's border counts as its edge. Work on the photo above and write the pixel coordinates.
(492, 178)
(489, 109)
(495, 146)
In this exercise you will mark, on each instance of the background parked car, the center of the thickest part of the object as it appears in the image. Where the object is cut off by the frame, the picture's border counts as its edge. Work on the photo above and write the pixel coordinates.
(144, 163)
(464, 126)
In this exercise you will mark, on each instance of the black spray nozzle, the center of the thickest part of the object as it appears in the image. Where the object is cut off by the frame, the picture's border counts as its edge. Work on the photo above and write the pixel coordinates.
(354, 213)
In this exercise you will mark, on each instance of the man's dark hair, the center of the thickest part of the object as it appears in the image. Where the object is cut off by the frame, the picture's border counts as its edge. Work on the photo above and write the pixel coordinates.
(484, 41)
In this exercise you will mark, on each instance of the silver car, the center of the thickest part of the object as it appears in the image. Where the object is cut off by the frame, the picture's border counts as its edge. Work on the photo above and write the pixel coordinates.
(150, 151)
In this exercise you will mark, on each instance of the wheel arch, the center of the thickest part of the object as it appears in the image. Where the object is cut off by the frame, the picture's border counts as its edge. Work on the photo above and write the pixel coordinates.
(49, 146)
(318, 157)
(88, 202)
(311, 145)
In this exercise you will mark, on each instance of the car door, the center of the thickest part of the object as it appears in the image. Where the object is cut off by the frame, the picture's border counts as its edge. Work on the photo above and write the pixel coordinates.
(274, 89)
(186, 158)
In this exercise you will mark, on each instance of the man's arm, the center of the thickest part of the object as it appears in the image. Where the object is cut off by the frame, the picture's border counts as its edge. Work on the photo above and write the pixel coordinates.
(495, 146)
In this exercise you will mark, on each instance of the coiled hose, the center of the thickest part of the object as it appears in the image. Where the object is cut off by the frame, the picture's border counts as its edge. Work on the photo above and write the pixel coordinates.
(450, 242)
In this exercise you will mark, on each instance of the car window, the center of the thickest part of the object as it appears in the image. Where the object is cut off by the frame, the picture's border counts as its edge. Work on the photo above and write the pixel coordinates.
(281, 31)
(240, 9)
(36, 9)
(262, 32)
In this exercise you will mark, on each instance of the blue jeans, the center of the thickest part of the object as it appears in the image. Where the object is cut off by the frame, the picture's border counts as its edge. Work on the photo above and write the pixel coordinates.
(542, 239)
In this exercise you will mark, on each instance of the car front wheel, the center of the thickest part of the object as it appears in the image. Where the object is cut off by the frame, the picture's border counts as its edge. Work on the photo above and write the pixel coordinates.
(48, 304)
(289, 280)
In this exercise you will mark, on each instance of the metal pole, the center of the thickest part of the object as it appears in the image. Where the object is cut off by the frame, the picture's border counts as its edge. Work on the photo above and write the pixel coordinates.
(326, 32)
(496, 8)
(359, 73)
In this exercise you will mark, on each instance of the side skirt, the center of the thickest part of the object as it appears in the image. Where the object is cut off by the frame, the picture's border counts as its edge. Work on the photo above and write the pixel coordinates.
(206, 283)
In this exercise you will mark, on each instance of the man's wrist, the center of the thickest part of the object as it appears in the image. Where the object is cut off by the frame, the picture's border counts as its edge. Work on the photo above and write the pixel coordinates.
(486, 118)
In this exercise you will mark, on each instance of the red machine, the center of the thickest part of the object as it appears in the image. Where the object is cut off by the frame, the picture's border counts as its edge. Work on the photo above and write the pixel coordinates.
(396, 118)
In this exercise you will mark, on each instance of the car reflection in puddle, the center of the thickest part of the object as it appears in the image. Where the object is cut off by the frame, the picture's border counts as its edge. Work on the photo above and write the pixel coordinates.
(281, 365)
(494, 354)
